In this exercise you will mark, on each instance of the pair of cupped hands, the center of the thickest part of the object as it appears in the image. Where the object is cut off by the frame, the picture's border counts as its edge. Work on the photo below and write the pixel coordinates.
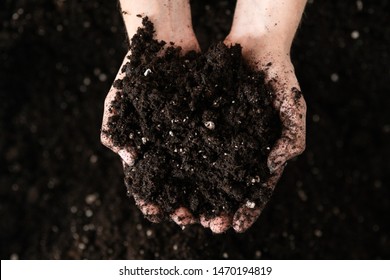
(264, 53)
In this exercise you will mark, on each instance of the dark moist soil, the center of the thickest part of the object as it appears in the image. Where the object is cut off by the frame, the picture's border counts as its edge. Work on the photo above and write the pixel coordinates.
(201, 124)
(61, 191)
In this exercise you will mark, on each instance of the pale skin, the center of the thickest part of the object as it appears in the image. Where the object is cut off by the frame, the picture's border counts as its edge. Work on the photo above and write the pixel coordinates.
(265, 29)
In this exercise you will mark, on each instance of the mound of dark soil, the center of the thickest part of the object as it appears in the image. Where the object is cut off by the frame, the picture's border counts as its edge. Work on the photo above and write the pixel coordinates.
(202, 125)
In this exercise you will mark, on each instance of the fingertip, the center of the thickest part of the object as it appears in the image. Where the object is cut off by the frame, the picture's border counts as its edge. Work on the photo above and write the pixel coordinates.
(150, 211)
(183, 217)
(244, 218)
(221, 223)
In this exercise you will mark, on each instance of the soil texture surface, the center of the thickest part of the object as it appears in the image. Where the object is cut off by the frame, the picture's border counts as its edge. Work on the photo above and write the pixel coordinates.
(62, 194)
(189, 120)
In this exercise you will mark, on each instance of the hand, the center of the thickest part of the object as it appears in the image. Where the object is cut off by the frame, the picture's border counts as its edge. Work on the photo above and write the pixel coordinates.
(181, 33)
(288, 101)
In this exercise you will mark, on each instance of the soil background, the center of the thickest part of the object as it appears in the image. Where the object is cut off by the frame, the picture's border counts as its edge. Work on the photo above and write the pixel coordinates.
(62, 194)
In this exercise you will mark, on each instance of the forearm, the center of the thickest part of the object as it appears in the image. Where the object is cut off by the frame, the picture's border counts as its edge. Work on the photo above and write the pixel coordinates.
(276, 20)
(170, 17)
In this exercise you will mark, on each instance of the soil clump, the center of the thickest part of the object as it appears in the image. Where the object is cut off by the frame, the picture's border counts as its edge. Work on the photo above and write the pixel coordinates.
(201, 124)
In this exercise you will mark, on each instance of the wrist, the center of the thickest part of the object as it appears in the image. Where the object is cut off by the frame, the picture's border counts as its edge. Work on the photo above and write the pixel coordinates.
(261, 47)
(266, 24)
(171, 19)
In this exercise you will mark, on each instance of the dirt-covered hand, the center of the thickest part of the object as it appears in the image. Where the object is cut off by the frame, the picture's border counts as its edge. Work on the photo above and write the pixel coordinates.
(172, 21)
(128, 154)
(289, 102)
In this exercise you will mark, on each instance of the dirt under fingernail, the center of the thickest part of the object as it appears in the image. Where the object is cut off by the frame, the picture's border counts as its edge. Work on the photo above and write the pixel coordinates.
(202, 125)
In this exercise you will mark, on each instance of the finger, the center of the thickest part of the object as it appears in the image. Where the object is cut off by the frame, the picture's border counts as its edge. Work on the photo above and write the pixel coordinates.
(245, 217)
(221, 223)
(247, 214)
(150, 210)
(182, 216)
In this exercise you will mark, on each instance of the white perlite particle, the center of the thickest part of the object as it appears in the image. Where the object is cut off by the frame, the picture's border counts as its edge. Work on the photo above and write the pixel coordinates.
(147, 72)
(144, 140)
(210, 125)
(250, 204)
